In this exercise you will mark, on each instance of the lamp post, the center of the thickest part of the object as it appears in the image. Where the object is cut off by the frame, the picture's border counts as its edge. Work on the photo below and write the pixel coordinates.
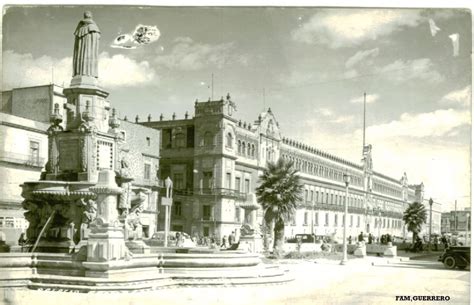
(429, 234)
(347, 180)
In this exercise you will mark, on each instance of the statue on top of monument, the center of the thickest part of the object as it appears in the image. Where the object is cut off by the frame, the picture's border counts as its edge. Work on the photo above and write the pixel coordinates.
(86, 47)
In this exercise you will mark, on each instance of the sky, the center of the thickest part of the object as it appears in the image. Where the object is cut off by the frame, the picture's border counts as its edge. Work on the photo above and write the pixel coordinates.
(310, 65)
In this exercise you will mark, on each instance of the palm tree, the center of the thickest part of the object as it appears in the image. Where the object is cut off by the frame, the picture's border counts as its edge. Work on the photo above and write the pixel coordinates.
(278, 193)
(414, 217)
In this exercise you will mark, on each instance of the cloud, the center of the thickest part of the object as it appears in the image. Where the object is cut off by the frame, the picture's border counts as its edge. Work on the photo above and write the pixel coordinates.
(351, 73)
(350, 27)
(460, 97)
(188, 55)
(343, 119)
(402, 71)
(438, 123)
(325, 112)
(361, 56)
(121, 71)
(300, 78)
(22, 70)
(369, 99)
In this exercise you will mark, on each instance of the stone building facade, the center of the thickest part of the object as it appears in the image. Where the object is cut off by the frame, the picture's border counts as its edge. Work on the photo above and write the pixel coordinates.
(456, 221)
(215, 161)
(23, 153)
(24, 120)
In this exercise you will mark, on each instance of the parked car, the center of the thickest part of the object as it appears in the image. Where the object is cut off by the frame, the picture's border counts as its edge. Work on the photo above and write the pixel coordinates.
(456, 257)
(158, 239)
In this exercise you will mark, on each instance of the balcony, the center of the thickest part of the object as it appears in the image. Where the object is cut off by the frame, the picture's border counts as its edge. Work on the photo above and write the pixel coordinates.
(27, 160)
(210, 192)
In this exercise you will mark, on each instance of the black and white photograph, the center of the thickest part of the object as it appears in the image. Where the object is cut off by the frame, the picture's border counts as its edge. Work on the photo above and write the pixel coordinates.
(163, 154)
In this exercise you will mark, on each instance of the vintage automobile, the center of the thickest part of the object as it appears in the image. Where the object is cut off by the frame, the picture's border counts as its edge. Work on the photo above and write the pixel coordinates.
(456, 257)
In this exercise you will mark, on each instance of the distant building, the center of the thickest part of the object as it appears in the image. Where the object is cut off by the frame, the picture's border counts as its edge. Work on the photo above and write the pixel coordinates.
(24, 120)
(215, 161)
(456, 221)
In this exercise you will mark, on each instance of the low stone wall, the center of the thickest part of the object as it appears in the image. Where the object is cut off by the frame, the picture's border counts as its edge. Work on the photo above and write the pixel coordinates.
(142, 271)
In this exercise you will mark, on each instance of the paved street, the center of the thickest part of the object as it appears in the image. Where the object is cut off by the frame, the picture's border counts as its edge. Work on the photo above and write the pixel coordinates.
(323, 282)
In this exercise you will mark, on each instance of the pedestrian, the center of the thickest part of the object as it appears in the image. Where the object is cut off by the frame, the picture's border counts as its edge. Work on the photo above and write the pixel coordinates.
(360, 237)
(22, 239)
(231, 238)
(178, 237)
(224, 242)
(371, 238)
(350, 239)
(436, 241)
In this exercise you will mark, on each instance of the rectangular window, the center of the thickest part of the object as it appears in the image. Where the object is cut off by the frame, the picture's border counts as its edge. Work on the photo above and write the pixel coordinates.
(177, 208)
(237, 184)
(317, 196)
(358, 221)
(343, 220)
(178, 181)
(147, 171)
(228, 181)
(207, 180)
(247, 186)
(352, 221)
(206, 212)
(305, 218)
(148, 141)
(306, 195)
(332, 198)
(190, 136)
(335, 220)
(326, 220)
(34, 152)
(237, 214)
(312, 196)
(205, 231)
(327, 198)
(316, 219)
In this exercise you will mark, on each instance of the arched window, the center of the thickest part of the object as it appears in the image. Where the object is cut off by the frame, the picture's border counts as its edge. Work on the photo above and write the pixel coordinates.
(253, 150)
(229, 140)
(239, 146)
(243, 148)
(208, 139)
(248, 150)
(180, 140)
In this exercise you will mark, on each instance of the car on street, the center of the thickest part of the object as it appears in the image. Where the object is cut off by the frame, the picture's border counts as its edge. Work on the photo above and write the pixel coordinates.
(158, 239)
(456, 257)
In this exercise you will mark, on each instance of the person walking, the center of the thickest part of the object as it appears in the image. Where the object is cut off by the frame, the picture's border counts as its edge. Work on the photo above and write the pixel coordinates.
(224, 242)
(360, 237)
(231, 238)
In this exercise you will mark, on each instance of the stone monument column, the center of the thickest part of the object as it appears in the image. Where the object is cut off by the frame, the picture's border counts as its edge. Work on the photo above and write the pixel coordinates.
(106, 240)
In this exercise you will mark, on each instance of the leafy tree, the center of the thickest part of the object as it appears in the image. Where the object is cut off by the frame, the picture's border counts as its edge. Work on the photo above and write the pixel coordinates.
(414, 217)
(278, 193)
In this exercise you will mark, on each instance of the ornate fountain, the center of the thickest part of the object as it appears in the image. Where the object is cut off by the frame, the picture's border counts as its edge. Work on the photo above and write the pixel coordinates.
(84, 231)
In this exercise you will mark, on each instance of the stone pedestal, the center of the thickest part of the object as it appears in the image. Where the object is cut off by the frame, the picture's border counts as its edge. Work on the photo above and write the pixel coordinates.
(253, 243)
(106, 247)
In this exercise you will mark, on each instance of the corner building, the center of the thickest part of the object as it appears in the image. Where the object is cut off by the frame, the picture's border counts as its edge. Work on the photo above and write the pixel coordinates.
(215, 161)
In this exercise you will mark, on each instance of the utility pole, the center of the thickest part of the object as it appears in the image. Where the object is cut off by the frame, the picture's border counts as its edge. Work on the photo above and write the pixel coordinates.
(212, 86)
(363, 129)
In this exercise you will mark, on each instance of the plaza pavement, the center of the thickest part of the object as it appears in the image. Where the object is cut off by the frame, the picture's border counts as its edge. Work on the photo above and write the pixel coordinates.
(362, 281)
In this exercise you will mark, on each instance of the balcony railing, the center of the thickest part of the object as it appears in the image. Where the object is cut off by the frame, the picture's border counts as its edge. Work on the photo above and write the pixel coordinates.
(28, 160)
(210, 192)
